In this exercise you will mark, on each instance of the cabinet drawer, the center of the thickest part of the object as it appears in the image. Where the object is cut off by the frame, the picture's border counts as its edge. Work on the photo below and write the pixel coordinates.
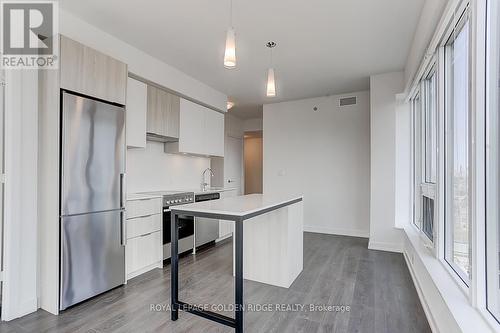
(143, 251)
(143, 225)
(144, 207)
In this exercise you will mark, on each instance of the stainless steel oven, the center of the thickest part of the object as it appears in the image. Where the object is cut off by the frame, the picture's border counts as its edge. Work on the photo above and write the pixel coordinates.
(186, 233)
(186, 223)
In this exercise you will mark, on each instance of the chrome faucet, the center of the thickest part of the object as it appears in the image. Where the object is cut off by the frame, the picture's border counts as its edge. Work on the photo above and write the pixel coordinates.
(205, 184)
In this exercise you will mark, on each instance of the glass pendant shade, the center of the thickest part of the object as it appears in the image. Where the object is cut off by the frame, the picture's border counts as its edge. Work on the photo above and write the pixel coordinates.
(271, 85)
(230, 53)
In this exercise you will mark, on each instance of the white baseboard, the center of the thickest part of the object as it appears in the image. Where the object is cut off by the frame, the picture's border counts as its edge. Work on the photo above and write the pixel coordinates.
(224, 237)
(423, 301)
(337, 231)
(143, 270)
(388, 247)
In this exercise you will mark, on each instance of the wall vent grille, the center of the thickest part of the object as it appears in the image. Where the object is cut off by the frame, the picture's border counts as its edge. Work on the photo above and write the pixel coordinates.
(347, 101)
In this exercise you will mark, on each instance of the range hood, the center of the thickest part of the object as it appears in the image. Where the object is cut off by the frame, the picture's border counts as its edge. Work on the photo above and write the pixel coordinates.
(160, 138)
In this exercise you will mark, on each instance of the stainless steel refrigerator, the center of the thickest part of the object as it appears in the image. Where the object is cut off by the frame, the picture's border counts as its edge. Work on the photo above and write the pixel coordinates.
(92, 198)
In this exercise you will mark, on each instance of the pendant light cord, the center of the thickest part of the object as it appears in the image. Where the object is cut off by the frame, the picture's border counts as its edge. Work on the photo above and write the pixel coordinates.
(231, 13)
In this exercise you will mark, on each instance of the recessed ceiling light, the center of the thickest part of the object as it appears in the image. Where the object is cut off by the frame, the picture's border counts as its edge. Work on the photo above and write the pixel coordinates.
(230, 105)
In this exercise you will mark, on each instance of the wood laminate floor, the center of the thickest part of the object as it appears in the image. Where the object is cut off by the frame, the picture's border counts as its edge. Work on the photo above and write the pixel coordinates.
(338, 271)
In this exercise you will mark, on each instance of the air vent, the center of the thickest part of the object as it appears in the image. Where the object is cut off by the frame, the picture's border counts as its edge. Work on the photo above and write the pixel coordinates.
(346, 101)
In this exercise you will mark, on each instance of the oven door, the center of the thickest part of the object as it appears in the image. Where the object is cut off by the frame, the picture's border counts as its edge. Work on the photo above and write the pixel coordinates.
(186, 226)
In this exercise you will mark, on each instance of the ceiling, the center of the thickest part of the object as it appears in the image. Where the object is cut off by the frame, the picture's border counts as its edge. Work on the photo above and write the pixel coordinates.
(324, 46)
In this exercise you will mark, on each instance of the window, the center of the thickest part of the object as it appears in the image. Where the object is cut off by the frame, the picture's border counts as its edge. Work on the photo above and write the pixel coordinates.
(493, 163)
(428, 217)
(417, 158)
(457, 219)
(430, 128)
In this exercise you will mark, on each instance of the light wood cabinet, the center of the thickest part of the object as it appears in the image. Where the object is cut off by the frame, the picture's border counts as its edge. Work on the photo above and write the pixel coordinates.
(136, 108)
(201, 131)
(162, 113)
(144, 228)
(90, 72)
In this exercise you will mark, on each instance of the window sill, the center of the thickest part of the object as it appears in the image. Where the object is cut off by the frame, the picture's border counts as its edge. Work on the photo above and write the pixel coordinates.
(466, 317)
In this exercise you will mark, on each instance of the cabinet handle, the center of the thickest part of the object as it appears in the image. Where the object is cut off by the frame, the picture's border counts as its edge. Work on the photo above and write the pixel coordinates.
(142, 216)
(146, 234)
(123, 227)
(122, 190)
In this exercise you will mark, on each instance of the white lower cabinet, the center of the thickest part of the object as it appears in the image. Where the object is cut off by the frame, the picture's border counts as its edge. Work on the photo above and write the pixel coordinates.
(226, 228)
(144, 249)
(143, 253)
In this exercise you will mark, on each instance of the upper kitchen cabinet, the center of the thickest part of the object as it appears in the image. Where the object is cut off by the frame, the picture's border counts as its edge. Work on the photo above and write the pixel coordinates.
(201, 131)
(214, 133)
(89, 72)
(137, 104)
(162, 115)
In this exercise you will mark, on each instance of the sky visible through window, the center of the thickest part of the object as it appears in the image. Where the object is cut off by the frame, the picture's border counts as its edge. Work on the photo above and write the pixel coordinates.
(460, 195)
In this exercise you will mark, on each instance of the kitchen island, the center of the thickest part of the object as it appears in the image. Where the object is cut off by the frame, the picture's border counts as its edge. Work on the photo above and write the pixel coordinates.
(268, 243)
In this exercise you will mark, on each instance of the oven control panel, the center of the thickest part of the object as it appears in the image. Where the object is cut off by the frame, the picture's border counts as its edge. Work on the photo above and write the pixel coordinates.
(177, 199)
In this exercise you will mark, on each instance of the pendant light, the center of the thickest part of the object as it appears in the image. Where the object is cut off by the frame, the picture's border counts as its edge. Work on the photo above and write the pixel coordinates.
(230, 52)
(271, 83)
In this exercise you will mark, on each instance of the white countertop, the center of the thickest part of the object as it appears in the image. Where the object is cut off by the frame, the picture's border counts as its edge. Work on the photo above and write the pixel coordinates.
(237, 206)
(142, 196)
(209, 190)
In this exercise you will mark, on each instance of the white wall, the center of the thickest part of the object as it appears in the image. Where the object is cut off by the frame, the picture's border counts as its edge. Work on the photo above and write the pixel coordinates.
(151, 169)
(429, 19)
(403, 179)
(383, 90)
(325, 156)
(20, 257)
(252, 125)
(139, 62)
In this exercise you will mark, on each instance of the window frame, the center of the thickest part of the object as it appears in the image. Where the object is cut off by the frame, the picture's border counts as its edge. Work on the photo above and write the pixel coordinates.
(492, 103)
(430, 189)
(464, 280)
(427, 88)
(416, 144)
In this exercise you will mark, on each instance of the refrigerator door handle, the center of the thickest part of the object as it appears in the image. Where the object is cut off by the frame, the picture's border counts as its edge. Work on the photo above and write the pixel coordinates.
(123, 229)
(122, 190)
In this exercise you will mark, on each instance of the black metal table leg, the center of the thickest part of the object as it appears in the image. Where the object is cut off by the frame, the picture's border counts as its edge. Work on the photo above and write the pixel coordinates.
(238, 292)
(174, 232)
(176, 304)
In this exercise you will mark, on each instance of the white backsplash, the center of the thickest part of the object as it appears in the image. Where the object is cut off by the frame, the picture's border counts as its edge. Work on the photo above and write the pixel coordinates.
(151, 169)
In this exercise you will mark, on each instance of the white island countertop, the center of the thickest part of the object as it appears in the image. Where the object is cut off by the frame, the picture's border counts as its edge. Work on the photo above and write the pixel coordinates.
(242, 206)
(271, 241)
